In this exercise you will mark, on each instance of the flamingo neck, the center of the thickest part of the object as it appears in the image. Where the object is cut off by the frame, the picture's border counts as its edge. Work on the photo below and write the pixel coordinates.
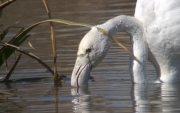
(133, 27)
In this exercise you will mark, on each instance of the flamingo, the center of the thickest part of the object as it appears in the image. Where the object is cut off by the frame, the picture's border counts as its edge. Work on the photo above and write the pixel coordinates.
(154, 31)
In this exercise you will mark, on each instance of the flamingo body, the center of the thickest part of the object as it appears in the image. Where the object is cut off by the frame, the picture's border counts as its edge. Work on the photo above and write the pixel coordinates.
(155, 36)
(161, 23)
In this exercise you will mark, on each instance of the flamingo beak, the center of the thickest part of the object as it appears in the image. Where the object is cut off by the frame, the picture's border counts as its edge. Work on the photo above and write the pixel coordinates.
(81, 72)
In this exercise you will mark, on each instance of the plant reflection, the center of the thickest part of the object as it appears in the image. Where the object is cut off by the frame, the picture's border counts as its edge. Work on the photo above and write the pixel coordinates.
(56, 99)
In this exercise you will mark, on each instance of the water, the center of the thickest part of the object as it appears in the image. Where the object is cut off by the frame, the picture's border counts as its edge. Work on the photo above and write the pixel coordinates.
(111, 92)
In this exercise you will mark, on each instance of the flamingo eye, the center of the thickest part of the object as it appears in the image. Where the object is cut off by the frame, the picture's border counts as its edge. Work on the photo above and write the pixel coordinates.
(88, 50)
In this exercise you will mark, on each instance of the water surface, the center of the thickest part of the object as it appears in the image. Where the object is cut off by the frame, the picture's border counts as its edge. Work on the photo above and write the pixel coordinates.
(111, 92)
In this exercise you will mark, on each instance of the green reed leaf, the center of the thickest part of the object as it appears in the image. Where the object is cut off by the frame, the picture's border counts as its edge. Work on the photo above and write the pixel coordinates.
(30, 55)
(4, 33)
(12, 69)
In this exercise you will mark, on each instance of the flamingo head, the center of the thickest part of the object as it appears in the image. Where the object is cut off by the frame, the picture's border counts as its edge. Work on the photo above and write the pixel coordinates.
(92, 49)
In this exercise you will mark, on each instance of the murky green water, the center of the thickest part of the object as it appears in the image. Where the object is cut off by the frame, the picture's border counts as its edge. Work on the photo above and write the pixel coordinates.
(111, 92)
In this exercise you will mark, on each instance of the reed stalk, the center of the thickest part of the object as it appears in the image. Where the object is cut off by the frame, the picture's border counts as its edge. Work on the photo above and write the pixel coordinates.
(53, 40)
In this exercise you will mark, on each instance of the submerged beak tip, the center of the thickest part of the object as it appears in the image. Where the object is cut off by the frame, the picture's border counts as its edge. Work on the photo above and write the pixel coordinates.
(80, 75)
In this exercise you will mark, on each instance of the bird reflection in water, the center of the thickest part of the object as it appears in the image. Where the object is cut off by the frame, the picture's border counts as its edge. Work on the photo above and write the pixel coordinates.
(156, 97)
(82, 100)
(145, 98)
